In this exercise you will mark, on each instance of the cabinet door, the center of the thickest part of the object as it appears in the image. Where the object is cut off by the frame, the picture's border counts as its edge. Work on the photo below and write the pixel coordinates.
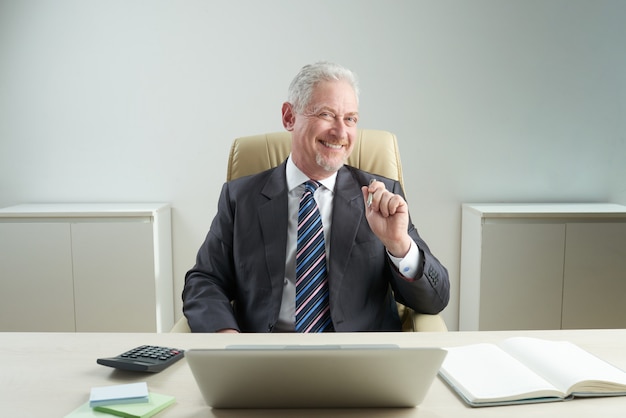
(114, 276)
(522, 276)
(594, 293)
(36, 288)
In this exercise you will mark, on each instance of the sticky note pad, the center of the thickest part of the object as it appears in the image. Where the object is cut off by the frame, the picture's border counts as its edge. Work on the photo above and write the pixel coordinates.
(85, 411)
(156, 404)
(119, 394)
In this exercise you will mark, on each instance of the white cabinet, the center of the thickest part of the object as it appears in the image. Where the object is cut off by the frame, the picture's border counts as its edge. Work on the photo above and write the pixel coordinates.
(86, 267)
(543, 266)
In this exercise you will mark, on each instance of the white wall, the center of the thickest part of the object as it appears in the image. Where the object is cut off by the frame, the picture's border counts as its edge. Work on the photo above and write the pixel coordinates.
(492, 100)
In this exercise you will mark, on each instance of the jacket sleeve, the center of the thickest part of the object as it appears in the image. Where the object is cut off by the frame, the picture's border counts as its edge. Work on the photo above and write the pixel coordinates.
(429, 291)
(208, 289)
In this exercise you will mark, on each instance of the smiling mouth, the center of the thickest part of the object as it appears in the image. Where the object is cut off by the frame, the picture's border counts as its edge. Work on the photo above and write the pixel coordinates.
(331, 146)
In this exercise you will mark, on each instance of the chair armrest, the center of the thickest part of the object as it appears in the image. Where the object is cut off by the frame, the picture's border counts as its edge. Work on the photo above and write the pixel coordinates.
(429, 323)
(181, 325)
(419, 322)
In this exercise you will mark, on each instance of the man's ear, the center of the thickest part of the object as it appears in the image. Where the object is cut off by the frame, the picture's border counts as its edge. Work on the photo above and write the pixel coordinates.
(289, 117)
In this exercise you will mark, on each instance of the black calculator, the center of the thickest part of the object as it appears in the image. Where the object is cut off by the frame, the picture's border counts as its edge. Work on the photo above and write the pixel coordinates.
(145, 358)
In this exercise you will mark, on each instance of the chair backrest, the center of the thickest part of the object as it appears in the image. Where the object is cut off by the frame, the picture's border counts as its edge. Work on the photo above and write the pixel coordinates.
(374, 151)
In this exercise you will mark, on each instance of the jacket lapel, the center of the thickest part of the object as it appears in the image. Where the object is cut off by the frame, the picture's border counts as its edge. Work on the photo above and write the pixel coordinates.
(272, 218)
(347, 216)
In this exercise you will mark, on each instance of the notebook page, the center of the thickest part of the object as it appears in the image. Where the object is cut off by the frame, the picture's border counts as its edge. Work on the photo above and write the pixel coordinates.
(561, 362)
(484, 372)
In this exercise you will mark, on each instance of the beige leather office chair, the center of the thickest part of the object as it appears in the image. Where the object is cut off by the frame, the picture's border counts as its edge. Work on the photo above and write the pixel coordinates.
(374, 151)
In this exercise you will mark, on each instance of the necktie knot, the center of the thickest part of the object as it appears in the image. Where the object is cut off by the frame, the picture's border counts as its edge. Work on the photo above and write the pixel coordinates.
(311, 186)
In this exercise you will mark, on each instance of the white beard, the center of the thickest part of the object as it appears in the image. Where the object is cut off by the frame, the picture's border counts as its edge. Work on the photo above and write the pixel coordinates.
(327, 166)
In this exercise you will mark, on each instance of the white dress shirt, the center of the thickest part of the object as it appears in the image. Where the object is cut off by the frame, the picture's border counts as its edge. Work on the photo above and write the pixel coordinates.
(324, 198)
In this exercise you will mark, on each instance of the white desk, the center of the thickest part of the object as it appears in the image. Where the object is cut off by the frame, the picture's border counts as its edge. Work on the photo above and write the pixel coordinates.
(50, 374)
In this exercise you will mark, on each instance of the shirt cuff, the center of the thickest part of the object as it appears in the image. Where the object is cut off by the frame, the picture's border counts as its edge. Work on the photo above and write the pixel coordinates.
(408, 266)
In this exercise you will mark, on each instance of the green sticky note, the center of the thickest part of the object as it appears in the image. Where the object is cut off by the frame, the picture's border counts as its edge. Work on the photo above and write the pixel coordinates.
(85, 411)
(156, 404)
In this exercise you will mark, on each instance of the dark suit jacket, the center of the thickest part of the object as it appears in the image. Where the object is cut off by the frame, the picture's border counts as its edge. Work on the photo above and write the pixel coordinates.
(242, 261)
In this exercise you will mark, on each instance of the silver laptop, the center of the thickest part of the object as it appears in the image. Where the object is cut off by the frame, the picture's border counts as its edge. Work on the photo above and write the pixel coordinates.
(324, 376)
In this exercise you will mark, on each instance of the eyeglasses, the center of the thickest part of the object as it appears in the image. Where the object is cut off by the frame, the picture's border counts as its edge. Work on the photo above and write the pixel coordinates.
(350, 119)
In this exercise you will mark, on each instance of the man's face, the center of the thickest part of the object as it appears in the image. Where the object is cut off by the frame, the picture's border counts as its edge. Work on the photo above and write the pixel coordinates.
(323, 137)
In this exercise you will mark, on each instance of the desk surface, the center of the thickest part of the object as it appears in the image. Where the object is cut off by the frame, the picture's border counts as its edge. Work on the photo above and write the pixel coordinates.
(51, 374)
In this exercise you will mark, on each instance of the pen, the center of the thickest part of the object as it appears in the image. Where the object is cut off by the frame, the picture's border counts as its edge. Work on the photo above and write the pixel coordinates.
(371, 195)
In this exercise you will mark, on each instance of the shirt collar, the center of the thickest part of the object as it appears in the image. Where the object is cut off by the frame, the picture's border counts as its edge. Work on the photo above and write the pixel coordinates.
(295, 177)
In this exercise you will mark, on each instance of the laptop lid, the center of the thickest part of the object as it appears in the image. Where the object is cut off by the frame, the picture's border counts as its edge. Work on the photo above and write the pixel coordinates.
(314, 376)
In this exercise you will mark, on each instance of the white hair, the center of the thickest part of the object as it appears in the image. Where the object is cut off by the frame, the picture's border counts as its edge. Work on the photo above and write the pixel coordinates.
(301, 88)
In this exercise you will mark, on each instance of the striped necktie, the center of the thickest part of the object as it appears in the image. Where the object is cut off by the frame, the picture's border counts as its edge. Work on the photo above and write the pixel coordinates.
(312, 307)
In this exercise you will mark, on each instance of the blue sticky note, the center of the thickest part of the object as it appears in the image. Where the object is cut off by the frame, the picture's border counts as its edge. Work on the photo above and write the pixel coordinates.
(119, 394)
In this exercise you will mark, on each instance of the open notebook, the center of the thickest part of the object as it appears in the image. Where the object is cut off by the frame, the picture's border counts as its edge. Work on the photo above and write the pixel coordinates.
(528, 370)
(322, 376)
